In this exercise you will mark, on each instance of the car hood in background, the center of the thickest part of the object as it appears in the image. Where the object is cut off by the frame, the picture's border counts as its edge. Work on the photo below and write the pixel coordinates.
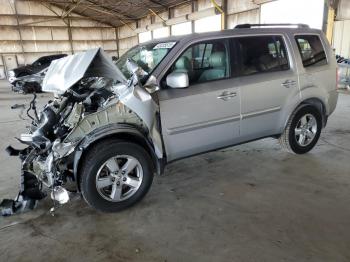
(65, 72)
(25, 70)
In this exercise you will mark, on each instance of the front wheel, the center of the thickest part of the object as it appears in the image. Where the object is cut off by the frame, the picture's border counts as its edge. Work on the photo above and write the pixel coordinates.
(303, 130)
(115, 175)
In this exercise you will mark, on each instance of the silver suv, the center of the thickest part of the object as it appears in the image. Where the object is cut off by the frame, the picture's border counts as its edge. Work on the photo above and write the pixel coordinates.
(110, 128)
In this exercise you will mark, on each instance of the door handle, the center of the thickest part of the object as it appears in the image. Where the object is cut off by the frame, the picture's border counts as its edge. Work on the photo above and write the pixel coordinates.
(227, 95)
(288, 83)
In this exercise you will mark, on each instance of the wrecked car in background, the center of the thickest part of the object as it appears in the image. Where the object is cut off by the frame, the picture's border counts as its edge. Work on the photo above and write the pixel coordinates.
(97, 113)
(29, 78)
(29, 83)
(111, 127)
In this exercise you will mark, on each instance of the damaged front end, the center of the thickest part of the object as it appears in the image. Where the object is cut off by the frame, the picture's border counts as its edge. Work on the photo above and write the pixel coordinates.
(92, 99)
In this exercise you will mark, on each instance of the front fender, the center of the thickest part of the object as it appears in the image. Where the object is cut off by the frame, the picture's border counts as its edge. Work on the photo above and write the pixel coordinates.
(121, 131)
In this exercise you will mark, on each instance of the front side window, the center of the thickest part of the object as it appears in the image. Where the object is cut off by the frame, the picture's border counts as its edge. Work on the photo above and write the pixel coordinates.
(261, 54)
(311, 50)
(204, 62)
(146, 56)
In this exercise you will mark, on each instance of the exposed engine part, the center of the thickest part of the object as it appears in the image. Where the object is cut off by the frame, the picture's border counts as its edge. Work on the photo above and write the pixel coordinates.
(60, 195)
(114, 113)
(83, 103)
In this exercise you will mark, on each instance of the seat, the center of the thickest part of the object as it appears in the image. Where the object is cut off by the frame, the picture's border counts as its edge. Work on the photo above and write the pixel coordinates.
(268, 63)
(217, 63)
(183, 65)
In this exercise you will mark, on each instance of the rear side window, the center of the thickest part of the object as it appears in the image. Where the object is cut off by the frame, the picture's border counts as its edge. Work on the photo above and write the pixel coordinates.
(261, 54)
(311, 50)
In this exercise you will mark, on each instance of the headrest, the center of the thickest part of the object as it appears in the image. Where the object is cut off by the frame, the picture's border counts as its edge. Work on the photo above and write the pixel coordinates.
(217, 59)
(183, 63)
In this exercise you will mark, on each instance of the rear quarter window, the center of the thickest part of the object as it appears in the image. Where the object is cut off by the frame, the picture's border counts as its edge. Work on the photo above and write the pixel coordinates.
(311, 50)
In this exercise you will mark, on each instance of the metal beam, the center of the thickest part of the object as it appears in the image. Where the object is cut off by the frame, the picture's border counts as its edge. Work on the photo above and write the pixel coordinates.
(70, 36)
(158, 3)
(71, 9)
(194, 8)
(18, 28)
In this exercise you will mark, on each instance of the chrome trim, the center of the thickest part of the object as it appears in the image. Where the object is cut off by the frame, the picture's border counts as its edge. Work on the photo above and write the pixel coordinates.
(262, 112)
(227, 95)
(289, 83)
(191, 127)
(193, 41)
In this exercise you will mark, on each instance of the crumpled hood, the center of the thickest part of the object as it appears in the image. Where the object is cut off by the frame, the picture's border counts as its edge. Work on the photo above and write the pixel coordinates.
(65, 72)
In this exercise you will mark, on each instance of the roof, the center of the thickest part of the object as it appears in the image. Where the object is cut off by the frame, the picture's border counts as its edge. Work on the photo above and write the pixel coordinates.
(115, 12)
(235, 32)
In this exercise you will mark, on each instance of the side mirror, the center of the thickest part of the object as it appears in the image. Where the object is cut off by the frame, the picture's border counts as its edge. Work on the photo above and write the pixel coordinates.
(177, 80)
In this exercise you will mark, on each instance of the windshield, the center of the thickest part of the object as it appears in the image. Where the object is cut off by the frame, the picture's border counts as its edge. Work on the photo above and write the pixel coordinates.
(147, 56)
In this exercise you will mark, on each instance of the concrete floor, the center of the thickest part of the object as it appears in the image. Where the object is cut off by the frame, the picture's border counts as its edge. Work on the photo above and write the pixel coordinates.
(252, 202)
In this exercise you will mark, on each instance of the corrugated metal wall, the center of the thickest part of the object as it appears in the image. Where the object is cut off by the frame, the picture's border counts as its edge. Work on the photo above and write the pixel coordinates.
(341, 32)
(341, 38)
(238, 12)
(29, 30)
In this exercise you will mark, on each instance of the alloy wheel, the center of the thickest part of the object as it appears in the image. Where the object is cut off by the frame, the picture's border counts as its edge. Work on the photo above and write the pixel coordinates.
(305, 130)
(119, 178)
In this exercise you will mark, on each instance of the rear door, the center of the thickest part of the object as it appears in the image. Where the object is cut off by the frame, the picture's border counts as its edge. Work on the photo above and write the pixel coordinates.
(206, 115)
(268, 81)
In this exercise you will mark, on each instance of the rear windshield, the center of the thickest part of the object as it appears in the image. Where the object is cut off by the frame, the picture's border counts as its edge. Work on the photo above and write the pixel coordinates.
(311, 50)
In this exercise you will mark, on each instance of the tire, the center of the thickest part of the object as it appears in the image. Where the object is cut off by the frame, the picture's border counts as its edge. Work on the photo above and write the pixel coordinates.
(97, 168)
(291, 141)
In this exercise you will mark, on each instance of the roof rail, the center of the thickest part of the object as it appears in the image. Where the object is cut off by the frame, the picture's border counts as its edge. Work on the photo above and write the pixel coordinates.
(277, 25)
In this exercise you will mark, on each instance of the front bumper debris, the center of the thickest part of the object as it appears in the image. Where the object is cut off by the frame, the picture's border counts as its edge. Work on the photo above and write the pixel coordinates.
(29, 194)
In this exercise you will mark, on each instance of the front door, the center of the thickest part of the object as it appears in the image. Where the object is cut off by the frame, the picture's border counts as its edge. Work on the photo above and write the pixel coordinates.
(206, 115)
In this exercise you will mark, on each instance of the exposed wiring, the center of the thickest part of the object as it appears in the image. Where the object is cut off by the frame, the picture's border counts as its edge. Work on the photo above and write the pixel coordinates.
(32, 106)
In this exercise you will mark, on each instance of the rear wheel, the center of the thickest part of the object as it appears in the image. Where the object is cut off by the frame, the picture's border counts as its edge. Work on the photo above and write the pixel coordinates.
(303, 130)
(115, 175)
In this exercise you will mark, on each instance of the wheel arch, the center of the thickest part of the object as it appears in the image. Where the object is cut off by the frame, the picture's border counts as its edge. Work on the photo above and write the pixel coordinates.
(314, 101)
(124, 132)
(320, 105)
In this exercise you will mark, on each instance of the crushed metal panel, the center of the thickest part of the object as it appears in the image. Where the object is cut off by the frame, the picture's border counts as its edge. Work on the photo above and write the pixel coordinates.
(65, 72)
(115, 113)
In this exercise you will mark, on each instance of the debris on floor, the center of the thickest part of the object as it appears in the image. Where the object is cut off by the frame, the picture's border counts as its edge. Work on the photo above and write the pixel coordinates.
(15, 106)
(9, 206)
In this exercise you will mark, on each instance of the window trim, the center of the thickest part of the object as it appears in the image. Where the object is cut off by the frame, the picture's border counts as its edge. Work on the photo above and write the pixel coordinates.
(323, 46)
(156, 42)
(202, 41)
(289, 48)
(274, 39)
